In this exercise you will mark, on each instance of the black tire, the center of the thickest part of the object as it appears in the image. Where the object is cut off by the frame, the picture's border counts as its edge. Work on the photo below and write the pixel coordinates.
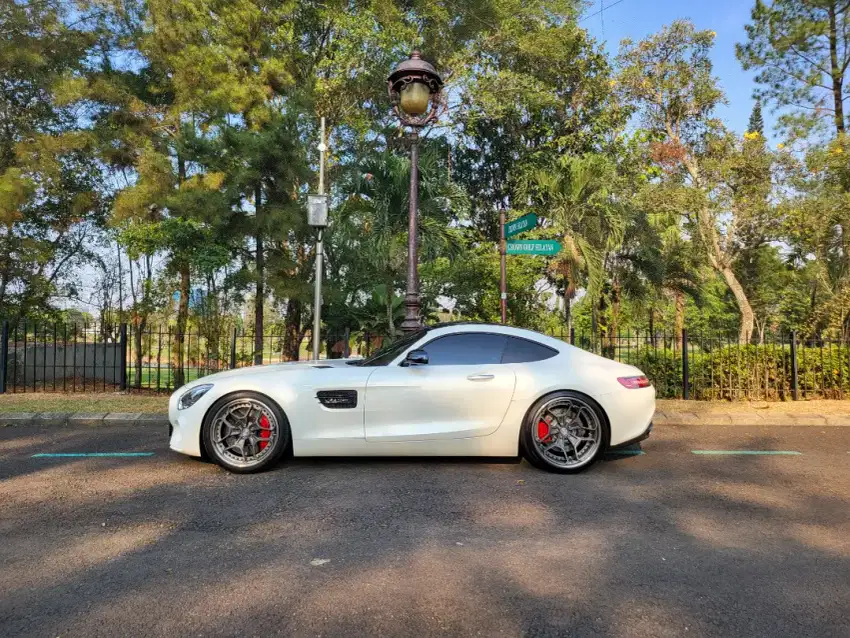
(527, 433)
(268, 458)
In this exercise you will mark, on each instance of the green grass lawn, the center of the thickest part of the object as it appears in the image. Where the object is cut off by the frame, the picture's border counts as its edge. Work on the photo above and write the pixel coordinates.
(163, 378)
(83, 402)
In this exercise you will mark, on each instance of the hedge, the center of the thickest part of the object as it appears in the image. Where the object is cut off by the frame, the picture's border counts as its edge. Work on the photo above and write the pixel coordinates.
(748, 372)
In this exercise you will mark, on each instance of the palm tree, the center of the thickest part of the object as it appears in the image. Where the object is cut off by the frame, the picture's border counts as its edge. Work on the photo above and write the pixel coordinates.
(373, 220)
(577, 197)
(656, 262)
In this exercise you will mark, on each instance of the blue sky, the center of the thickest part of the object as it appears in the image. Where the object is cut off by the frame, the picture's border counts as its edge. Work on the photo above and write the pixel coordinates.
(636, 19)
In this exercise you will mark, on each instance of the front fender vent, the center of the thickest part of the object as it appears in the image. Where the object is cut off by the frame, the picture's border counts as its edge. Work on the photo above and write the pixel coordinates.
(337, 399)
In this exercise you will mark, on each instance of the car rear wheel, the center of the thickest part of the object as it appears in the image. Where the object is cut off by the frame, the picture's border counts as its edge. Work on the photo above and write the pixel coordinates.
(245, 432)
(564, 432)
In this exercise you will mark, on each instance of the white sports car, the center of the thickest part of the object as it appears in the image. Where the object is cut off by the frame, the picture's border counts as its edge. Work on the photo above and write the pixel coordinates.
(449, 390)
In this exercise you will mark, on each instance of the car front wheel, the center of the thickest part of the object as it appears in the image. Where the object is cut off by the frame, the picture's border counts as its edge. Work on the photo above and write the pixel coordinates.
(245, 432)
(564, 432)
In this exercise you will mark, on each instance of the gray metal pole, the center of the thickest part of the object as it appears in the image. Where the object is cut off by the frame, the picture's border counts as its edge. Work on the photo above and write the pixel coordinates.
(503, 276)
(412, 311)
(317, 291)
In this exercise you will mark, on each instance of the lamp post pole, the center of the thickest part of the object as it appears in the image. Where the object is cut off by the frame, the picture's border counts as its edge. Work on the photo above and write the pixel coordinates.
(415, 90)
(412, 307)
(317, 289)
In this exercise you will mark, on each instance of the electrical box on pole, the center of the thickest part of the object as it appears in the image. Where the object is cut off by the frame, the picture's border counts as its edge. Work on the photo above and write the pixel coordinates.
(317, 210)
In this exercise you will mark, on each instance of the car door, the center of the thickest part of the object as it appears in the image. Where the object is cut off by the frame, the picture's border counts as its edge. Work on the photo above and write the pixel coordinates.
(463, 391)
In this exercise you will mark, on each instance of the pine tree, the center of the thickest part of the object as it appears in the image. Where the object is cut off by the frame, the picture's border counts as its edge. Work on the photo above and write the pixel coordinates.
(756, 124)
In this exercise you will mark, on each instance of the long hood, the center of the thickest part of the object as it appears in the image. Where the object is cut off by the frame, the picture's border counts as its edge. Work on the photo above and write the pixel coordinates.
(290, 366)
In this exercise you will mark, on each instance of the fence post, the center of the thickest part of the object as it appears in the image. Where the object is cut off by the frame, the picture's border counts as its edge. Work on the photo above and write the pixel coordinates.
(794, 380)
(686, 377)
(4, 356)
(233, 349)
(572, 336)
(122, 373)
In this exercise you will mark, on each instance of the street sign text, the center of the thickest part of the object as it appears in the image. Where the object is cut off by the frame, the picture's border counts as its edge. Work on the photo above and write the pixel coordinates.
(517, 226)
(533, 247)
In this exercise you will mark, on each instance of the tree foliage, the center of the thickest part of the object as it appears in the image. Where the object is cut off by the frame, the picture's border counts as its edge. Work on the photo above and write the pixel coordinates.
(166, 149)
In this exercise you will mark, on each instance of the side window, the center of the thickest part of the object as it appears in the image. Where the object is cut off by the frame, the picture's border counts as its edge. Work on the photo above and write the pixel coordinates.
(524, 351)
(466, 349)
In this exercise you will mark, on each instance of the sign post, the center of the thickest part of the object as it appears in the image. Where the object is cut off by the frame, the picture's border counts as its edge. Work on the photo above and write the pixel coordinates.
(503, 287)
(533, 247)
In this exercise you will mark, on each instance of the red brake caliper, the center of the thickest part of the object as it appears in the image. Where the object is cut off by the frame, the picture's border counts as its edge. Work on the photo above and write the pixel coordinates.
(265, 432)
(543, 431)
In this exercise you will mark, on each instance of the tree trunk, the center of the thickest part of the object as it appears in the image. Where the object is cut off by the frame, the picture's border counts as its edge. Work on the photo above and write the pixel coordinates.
(120, 286)
(139, 355)
(390, 318)
(599, 330)
(260, 262)
(835, 72)
(614, 327)
(652, 327)
(722, 264)
(291, 337)
(679, 321)
(568, 319)
(747, 319)
(182, 321)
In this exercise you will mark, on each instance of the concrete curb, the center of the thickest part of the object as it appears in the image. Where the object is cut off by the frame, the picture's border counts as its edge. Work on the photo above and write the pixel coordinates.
(81, 418)
(747, 419)
(661, 418)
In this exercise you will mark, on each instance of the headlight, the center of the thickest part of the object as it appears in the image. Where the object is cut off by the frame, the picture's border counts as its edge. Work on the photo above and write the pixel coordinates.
(191, 397)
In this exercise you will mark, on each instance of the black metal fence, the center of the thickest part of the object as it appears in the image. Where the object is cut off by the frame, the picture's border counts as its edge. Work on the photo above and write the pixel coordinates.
(713, 365)
(94, 357)
(85, 357)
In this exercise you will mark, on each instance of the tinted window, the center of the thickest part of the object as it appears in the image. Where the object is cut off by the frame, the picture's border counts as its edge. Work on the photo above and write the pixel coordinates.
(523, 351)
(386, 354)
(466, 349)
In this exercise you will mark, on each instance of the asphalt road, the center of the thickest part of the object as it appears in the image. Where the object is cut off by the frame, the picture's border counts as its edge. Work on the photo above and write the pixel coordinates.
(667, 543)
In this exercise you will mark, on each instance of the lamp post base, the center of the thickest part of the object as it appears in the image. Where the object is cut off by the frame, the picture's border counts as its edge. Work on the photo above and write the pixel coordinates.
(412, 318)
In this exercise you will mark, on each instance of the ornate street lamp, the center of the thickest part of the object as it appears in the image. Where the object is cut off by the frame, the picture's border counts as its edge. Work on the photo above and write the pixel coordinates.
(415, 91)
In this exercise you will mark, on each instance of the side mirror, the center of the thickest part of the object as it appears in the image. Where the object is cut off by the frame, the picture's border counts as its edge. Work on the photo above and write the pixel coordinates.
(416, 358)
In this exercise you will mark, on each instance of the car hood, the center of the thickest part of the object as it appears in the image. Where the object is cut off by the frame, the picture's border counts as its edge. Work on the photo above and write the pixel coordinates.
(289, 366)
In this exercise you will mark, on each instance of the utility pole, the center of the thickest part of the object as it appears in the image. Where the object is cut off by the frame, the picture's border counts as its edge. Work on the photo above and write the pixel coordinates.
(503, 286)
(317, 290)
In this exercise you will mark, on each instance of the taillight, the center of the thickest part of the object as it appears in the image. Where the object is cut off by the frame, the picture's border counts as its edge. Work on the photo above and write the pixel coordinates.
(633, 383)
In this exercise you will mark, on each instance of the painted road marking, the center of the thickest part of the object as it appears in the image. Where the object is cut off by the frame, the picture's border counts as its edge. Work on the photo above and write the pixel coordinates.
(626, 452)
(75, 454)
(750, 452)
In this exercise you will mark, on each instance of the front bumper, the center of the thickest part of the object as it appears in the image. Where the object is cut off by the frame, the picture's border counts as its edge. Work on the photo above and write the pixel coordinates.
(184, 426)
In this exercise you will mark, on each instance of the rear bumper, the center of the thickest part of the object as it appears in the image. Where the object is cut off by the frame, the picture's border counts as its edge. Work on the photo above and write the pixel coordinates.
(630, 413)
(643, 436)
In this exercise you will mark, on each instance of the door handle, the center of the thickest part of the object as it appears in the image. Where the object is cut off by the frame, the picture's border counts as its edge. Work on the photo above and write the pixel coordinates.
(480, 377)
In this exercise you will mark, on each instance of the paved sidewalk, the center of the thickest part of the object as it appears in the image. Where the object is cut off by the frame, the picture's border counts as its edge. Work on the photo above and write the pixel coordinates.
(669, 413)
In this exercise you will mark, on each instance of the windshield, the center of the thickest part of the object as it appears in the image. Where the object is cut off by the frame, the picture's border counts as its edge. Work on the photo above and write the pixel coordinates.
(386, 354)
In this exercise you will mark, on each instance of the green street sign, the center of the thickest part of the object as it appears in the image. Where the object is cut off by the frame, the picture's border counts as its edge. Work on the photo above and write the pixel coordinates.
(517, 226)
(533, 247)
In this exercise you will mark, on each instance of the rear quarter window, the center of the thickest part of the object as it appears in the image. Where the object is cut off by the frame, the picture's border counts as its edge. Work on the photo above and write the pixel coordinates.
(525, 351)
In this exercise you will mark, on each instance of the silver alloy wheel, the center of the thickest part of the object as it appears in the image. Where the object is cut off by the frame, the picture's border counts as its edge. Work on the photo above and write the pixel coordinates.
(244, 432)
(567, 432)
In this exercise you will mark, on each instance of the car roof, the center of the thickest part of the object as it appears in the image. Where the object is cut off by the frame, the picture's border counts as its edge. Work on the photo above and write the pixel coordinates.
(452, 327)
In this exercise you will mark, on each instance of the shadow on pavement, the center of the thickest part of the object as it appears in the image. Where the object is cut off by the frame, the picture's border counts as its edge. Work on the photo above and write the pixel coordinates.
(659, 544)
